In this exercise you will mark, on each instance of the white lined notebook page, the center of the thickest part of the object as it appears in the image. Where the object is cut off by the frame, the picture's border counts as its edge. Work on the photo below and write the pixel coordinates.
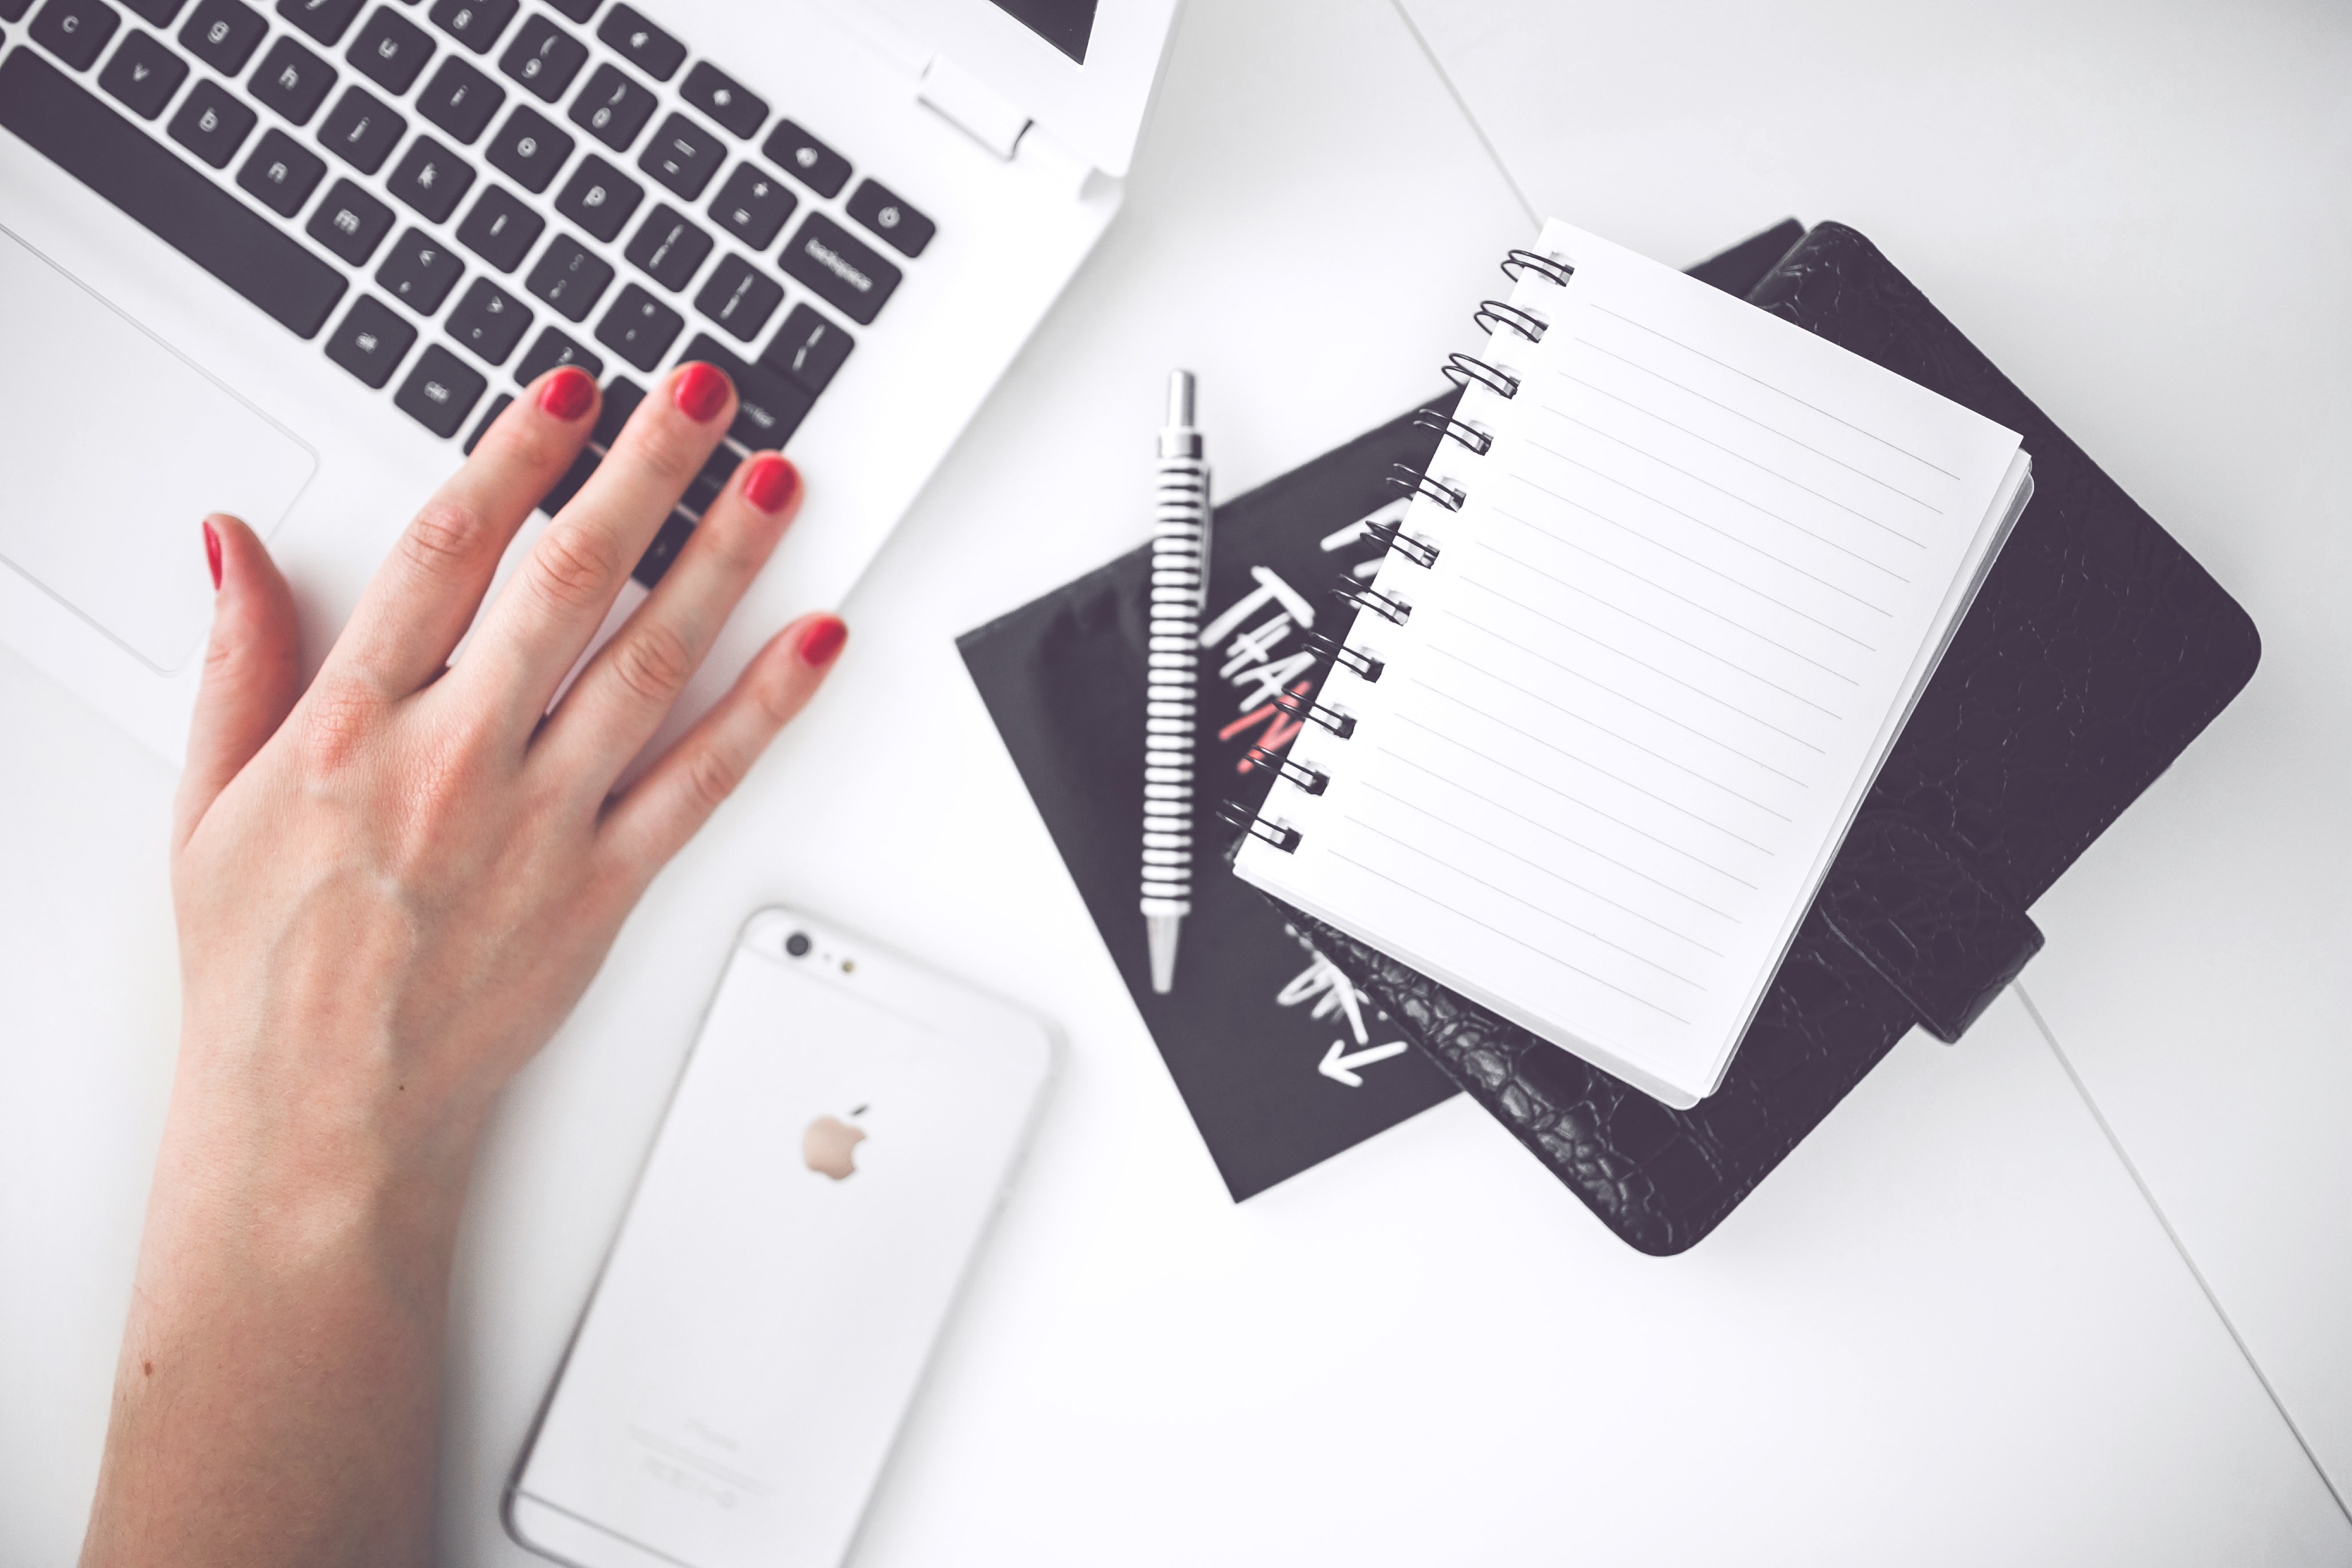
(1669, 637)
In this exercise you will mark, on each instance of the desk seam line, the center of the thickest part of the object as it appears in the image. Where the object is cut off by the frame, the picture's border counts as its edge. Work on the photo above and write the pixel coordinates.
(1493, 155)
(2147, 1195)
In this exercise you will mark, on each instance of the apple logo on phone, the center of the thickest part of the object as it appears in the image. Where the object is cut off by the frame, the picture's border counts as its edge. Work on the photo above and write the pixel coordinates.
(830, 1146)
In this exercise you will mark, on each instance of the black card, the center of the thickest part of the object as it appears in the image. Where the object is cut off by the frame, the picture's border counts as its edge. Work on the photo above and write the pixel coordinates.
(1278, 1059)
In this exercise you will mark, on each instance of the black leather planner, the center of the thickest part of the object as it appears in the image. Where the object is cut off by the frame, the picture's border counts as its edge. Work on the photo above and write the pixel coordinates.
(2094, 654)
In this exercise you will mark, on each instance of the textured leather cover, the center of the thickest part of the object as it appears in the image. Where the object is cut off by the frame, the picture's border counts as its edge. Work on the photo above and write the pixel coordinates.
(1907, 902)
(2096, 651)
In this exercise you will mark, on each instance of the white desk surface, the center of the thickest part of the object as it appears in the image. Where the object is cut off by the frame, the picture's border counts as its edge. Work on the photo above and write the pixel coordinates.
(1949, 1328)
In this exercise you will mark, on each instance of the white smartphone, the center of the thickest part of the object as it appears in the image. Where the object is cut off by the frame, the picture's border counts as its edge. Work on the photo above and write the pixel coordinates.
(843, 1134)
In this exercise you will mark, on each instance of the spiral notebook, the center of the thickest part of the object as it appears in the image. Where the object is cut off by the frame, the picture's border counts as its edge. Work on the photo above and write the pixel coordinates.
(1656, 613)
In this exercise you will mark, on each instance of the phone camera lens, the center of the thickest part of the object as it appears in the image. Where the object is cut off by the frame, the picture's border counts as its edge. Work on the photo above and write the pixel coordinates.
(798, 944)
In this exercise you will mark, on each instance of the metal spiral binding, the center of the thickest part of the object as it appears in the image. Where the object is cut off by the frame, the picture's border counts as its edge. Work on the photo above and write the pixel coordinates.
(1282, 836)
(1341, 725)
(1461, 430)
(1298, 774)
(1411, 546)
(1464, 369)
(1519, 263)
(1493, 314)
(1413, 482)
(1365, 597)
(1461, 370)
(1367, 667)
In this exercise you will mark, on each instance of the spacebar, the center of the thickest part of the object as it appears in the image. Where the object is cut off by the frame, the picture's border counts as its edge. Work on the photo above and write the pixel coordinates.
(183, 209)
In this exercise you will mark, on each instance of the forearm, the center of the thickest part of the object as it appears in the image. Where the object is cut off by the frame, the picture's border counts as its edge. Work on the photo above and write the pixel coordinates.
(278, 1394)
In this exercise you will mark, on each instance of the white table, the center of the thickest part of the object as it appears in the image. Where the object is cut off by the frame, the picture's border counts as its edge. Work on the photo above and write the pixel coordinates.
(1949, 1328)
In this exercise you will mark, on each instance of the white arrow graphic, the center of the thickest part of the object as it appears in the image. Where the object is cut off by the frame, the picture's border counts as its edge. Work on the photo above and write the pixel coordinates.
(1338, 1065)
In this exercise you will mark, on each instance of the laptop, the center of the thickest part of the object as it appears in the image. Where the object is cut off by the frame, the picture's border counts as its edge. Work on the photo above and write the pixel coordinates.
(287, 260)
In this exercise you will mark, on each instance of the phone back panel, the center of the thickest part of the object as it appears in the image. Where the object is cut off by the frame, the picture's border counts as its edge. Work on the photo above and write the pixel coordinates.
(760, 1326)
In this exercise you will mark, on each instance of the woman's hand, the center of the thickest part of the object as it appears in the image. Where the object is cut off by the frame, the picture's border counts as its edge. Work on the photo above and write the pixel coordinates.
(391, 888)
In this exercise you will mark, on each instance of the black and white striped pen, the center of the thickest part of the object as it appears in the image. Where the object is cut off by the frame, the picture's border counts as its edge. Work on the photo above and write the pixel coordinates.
(1179, 583)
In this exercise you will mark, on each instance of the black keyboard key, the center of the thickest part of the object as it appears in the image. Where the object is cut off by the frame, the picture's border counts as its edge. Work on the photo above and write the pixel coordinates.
(655, 563)
(488, 321)
(292, 81)
(431, 178)
(325, 20)
(144, 74)
(158, 13)
(578, 10)
(874, 204)
(575, 477)
(752, 206)
(212, 124)
(808, 348)
(389, 50)
(807, 159)
(768, 408)
(722, 98)
(599, 198)
(529, 149)
(224, 35)
(349, 222)
(440, 391)
(641, 43)
(281, 174)
(843, 271)
(371, 341)
(211, 227)
(543, 58)
(622, 396)
(639, 327)
(362, 130)
(419, 271)
(706, 486)
(668, 248)
(611, 108)
(460, 99)
(683, 156)
(500, 229)
(13, 10)
(477, 24)
(550, 349)
(482, 426)
(76, 31)
(570, 277)
(739, 297)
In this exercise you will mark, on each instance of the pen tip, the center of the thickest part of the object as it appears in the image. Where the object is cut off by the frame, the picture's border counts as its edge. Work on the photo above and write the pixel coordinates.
(1163, 932)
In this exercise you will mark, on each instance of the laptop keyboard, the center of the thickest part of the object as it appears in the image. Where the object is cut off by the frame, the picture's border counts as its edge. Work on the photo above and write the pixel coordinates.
(458, 194)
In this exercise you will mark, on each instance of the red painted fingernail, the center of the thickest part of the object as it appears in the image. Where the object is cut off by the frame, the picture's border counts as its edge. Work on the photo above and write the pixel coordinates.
(820, 644)
(568, 393)
(700, 391)
(772, 483)
(213, 553)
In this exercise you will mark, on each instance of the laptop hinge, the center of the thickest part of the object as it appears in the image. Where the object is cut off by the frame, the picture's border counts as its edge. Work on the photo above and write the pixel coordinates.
(972, 106)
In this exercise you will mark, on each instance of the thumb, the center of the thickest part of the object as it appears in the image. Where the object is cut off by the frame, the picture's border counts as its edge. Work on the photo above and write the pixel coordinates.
(252, 669)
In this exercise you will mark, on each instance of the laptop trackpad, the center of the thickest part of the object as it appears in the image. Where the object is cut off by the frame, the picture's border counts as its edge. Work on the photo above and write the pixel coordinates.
(105, 522)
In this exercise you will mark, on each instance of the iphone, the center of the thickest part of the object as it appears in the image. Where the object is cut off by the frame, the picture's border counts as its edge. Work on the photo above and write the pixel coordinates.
(844, 1131)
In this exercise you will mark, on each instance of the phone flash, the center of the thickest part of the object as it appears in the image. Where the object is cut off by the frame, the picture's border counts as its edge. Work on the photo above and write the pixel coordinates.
(848, 965)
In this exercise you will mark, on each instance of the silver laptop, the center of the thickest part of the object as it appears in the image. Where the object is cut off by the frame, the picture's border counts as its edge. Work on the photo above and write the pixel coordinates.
(286, 259)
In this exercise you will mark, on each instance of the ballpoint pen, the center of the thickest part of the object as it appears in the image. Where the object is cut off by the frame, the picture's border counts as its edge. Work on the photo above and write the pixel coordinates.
(1179, 582)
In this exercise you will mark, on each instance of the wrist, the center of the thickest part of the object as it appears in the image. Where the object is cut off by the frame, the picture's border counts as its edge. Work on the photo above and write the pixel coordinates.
(295, 1146)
